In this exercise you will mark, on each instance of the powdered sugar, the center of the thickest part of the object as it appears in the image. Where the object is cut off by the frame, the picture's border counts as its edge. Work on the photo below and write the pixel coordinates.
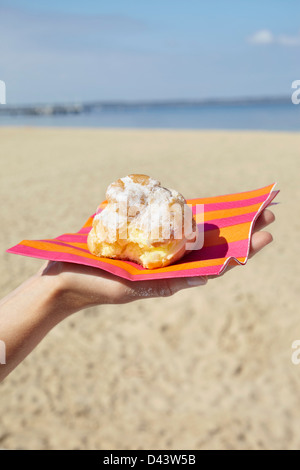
(127, 190)
(137, 202)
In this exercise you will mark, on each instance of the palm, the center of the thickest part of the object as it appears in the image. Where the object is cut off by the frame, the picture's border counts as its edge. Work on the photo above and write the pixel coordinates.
(91, 286)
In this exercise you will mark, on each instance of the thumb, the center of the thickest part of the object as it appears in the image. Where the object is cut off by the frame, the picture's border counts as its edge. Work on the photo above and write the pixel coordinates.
(164, 287)
(180, 283)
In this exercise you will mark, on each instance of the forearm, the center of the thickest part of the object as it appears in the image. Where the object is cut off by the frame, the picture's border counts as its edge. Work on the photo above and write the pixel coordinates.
(27, 315)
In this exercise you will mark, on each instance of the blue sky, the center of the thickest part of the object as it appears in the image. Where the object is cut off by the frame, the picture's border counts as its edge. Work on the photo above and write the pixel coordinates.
(70, 50)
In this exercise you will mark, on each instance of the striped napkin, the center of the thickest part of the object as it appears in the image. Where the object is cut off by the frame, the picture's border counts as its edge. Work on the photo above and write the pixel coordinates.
(228, 224)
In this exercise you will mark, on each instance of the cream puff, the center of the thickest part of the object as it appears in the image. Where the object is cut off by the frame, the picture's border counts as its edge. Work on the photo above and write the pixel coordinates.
(142, 222)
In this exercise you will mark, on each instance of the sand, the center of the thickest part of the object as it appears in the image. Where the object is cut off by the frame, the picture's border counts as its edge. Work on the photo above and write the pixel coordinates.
(209, 368)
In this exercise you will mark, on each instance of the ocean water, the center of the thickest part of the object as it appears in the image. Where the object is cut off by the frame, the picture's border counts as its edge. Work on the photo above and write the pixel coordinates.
(253, 116)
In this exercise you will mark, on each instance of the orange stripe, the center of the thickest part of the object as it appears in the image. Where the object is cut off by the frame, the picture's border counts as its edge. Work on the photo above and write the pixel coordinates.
(228, 198)
(191, 265)
(233, 263)
(218, 214)
(211, 237)
(232, 197)
(76, 244)
(70, 233)
(223, 214)
(47, 246)
(88, 223)
(122, 264)
(102, 205)
(225, 198)
(226, 234)
(210, 215)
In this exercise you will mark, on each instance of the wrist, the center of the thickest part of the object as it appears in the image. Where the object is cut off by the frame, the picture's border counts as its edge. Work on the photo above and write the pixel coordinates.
(27, 314)
(64, 296)
(49, 293)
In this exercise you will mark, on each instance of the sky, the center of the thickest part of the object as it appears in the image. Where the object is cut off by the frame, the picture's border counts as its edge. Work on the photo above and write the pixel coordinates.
(74, 51)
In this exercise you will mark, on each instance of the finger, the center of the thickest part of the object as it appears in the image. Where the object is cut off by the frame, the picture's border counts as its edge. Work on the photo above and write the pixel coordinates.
(265, 219)
(258, 241)
(178, 284)
(164, 287)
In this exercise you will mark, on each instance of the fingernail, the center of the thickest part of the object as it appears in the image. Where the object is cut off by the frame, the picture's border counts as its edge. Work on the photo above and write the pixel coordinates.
(196, 281)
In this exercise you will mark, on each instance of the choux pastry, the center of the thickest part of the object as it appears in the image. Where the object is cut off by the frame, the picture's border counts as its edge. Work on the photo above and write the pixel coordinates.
(142, 222)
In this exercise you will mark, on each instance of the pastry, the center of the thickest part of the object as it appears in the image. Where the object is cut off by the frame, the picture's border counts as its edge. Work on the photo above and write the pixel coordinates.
(142, 222)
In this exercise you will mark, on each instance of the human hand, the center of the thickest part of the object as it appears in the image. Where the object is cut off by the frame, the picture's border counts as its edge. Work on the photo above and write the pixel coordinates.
(29, 312)
(259, 238)
(84, 286)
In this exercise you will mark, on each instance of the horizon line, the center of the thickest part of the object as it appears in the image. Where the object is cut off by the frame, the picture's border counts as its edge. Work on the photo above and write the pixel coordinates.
(90, 106)
(178, 100)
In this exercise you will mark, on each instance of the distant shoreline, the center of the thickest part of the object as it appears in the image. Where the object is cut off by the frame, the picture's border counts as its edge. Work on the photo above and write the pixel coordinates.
(47, 109)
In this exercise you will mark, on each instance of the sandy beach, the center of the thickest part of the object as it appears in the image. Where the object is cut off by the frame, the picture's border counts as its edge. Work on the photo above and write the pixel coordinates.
(209, 368)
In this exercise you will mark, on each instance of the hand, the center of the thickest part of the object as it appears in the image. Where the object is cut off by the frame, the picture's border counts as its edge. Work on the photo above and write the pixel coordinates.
(261, 238)
(59, 289)
(84, 286)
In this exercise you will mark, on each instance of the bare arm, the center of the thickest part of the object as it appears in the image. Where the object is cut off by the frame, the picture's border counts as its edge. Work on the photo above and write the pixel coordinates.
(26, 316)
(60, 289)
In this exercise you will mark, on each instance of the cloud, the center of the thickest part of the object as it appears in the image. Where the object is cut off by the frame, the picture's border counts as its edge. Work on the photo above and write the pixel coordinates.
(265, 36)
(289, 40)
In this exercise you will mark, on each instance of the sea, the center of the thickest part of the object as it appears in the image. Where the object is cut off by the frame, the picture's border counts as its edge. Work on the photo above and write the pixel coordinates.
(271, 116)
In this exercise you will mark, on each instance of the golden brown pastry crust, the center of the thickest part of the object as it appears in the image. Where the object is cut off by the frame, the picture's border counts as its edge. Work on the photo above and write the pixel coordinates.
(153, 245)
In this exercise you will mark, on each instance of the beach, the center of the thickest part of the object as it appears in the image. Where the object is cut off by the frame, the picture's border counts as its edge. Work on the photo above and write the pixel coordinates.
(208, 368)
